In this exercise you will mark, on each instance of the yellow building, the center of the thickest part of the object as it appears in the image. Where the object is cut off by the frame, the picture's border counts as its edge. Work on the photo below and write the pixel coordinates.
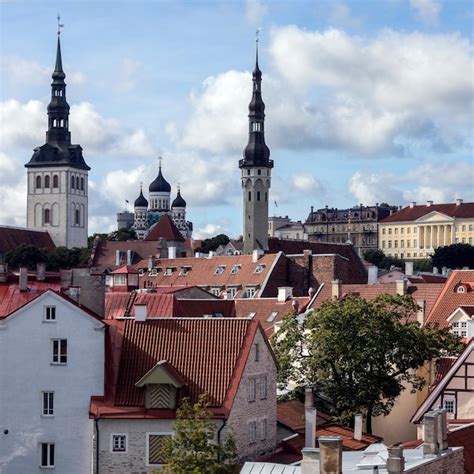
(416, 231)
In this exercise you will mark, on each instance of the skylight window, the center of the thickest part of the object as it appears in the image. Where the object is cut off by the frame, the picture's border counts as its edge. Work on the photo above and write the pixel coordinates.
(251, 315)
(220, 270)
(272, 316)
(260, 268)
(235, 269)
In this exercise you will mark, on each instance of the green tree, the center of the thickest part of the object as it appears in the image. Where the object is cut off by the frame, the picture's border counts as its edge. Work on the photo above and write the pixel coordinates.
(191, 449)
(454, 256)
(423, 265)
(359, 352)
(26, 255)
(123, 235)
(374, 256)
(213, 243)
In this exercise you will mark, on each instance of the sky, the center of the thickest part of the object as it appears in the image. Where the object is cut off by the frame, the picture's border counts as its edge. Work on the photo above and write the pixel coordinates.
(366, 101)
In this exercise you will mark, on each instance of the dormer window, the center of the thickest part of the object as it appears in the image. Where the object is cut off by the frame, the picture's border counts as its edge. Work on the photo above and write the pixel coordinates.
(260, 268)
(184, 271)
(461, 289)
(235, 269)
(154, 272)
(219, 270)
(169, 271)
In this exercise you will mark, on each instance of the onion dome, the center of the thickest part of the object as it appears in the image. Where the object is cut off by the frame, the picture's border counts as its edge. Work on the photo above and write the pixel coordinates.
(160, 185)
(141, 200)
(179, 201)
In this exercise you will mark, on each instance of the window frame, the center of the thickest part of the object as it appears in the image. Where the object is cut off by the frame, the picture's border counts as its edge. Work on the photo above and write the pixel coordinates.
(252, 389)
(47, 403)
(252, 427)
(49, 319)
(48, 464)
(112, 445)
(147, 446)
(263, 388)
(58, 355)
(450, 399)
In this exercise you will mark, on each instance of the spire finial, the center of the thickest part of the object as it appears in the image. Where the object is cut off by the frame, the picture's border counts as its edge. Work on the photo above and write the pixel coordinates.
(179, 187)
(59, 24)
(257, 32)
(160, 159)
(141, 186)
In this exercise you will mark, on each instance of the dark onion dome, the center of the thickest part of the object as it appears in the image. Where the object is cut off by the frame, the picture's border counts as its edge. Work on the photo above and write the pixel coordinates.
(179, 201)
(141, 201)
(160, 185)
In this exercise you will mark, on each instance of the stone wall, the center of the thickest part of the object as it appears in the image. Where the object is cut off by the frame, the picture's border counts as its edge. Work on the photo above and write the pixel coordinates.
(277, 278)
(449, 462)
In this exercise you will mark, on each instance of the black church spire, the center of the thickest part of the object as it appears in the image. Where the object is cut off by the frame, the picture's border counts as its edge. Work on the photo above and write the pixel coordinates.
(256, 152)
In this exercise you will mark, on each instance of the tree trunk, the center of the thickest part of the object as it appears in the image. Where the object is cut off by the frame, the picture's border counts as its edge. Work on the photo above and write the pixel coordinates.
(369, 418)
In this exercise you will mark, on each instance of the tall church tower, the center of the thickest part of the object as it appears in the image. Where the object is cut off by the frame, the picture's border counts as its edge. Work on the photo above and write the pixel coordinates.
(57, 198)
(256, 168)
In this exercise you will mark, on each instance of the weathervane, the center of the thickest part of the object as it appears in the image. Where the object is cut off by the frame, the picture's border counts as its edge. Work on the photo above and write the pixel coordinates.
(257, 33)
(160, 159)
(60, 25)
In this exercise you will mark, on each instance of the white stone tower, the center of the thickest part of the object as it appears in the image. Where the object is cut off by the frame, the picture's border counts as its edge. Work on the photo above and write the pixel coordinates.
(256, 168)
(57, 186)
(140, 223)
(178, 208)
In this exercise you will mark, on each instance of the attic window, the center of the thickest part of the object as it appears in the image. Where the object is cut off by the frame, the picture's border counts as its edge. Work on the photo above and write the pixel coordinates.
(260, 268)
(218, 315)
(219, 270)
(169, 271)
(154, 271)
(251, 315)
(461, 289)
(184, 270)
(235, 269)
(272, 316)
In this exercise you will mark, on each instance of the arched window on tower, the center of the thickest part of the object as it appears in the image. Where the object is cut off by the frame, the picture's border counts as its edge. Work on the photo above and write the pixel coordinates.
(73, 181)
(258, 195)
(38, 182)
(77, 182)
(77, 217)
(46, 181)
(55, 181)
(82, 184)
(47, 216)
(250, 195)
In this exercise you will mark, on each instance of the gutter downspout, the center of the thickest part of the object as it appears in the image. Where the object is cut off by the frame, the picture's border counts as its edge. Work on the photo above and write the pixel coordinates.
(96, 420)
(219, 440)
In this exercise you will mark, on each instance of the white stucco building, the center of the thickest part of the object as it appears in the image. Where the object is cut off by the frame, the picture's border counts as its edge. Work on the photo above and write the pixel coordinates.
(52, 354)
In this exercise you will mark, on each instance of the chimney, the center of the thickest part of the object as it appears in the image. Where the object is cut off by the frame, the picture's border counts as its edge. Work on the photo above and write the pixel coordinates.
(74, 292)
(429, 203)
(40, 271)
(395, 461)
(358, 427)
(459, 202)
(336, 288)
(3, 272)
(212, 253)
(412, 204)
(23, 281)
(140, 312)
(330, 454)
(129, 257)
(401, 287)
(256, 254)
(295, 305)
(372, 274)
(65, 276)
(151, 262)
(172, 252)
(117, 258)
(435, 271)
(409, 268)
(310, 461)
(430, 434)
(310, 418)
(284, 292)
(442, 428)
(420, 314)
(444, 271)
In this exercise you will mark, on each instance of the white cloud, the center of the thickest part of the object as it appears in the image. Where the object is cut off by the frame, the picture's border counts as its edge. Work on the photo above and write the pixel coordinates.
(29, 72)
(369, 188)
(307, 183)
(129, 71)
(342, 15)
(255, 10)
(209, 230)
(13, 193)
(427, 10)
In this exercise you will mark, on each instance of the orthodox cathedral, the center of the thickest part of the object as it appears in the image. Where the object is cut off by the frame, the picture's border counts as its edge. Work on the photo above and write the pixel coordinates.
(147, 213)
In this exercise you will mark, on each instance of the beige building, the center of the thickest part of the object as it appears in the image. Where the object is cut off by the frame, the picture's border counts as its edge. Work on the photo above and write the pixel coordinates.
(416, 231)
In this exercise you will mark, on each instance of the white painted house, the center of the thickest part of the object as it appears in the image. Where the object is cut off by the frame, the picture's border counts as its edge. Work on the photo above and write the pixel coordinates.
(52, 362)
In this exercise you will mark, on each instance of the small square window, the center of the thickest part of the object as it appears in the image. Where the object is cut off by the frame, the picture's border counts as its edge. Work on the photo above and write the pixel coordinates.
(50, 313)
(59, 351)
(119, 443)
(47, 455)
(449, 405)
(48, 404)
(185, 270)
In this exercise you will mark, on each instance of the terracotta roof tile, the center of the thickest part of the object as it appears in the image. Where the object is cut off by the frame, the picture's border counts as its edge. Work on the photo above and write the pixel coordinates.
(165, 229)
(449, 300)
(126, 269)
(408, 213)
(291, 414)
(12, 237)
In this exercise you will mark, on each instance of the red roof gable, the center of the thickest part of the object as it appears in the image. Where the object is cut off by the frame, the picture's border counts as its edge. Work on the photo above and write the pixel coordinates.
(408, 213)
(165, 229)
(12, 237)
(126, 269)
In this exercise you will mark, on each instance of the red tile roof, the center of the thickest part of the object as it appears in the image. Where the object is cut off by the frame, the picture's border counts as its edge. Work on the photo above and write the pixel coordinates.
(291, 414)
(449, 300)
(12, 237)
(216, 351)
(469, 310)
(202, 271)
(126, 269)
(165, 229)
(442, 368)
(408, 213)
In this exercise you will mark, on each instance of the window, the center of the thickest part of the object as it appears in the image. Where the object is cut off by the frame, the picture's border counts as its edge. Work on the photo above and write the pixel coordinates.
(251, 315)
(258, 195)
(46, 181)
(395, 244)
(401, 230)
(219, 270)
(389, 231)
(119, 443)
(383, 244)
(260, 268)
(252, 389)
(259, 172)
(408, 230)
(50, 313)
(252, 432)
(185, 270)
(82, 184)
(47, 216)
(38, 182)
(402, 243)
(235, 269)
(155, 448)
(389, 244)
(257, 352)
(383, 231)
(77, 217)
(216, 291)
(169, 271)
(72, 182)
(250, 195)
(449, 404)
(59, 351)
(249, 293)
(264, 429)
(263, 388)
(55, 181)
(272, 316)
(231, 292)
(48, 403)
(461, 289)
(47, 455)
(464, 228)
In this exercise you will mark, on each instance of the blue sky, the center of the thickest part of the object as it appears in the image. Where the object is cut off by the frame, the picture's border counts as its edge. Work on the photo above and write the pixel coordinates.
(367, 101)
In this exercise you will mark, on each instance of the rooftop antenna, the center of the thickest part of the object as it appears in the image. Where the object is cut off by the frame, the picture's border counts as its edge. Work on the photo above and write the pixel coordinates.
(60, 25)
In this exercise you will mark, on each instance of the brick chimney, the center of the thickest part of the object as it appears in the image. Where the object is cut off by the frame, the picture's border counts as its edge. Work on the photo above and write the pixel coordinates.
(412, 204)
(40, 271)
(429, 203)
(336, 288)
(401, 286)
(330, 454)
(395, 461)
(23, 279)
(430, 434)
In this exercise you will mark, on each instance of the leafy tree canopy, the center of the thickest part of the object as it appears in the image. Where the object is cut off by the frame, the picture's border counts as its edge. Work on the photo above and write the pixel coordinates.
(377, 257)
(359, 353)
(59, 257)
(423, 265)
(192, 448)
(213, 243)
(454, 256)
(123, 235)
